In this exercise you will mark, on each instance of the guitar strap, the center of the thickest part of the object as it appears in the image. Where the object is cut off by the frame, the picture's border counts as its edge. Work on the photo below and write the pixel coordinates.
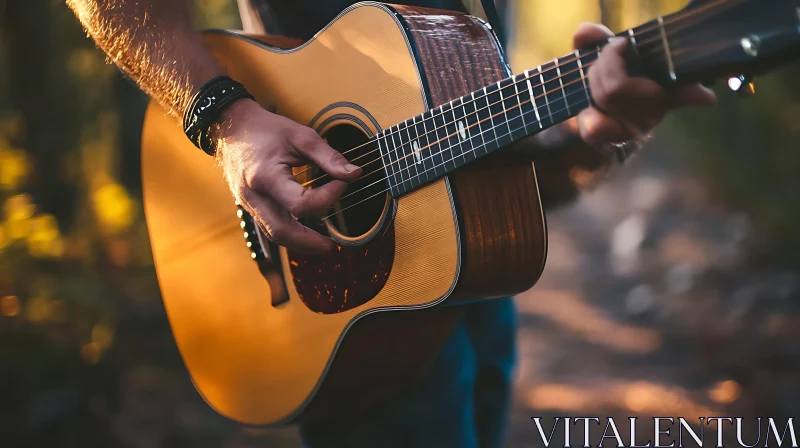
(495, 20)
(488, 10)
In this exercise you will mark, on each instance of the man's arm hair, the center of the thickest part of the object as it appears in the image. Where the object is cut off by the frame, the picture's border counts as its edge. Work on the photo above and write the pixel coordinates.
(154, 43)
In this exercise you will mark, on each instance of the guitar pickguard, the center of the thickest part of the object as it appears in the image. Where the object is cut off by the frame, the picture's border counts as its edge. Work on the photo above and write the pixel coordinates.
(346, 278)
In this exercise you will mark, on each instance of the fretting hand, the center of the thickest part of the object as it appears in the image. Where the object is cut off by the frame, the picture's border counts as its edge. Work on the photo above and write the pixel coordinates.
(627, 107)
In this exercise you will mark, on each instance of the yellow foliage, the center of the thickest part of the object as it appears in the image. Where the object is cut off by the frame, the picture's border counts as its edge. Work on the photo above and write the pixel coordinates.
(102, 336)
(12, 125)
(543, 29)
(5, 240)
(91, 352)
(113, 207)
(18, 210)
(18, 207)
(44, 239)
(38, 309)
(9, 306)
(13, 168)
(57, 312)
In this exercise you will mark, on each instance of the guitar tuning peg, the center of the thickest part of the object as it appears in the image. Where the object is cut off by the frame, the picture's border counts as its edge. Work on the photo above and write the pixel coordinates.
(743, 85)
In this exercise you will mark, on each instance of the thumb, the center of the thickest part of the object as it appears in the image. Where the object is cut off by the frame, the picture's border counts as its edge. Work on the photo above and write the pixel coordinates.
(330, 160)
(589, 34)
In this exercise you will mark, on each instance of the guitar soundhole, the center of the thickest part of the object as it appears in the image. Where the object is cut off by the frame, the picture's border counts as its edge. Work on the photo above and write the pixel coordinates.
(365, 203)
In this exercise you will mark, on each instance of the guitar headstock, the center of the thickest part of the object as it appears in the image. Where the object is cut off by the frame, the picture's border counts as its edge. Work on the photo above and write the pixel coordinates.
(711, 39)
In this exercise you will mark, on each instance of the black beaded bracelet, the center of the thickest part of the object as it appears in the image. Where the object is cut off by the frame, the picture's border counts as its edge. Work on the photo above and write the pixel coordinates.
(205, 108)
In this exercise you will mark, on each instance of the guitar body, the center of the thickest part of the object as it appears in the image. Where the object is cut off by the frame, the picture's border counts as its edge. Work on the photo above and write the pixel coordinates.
(311, 337)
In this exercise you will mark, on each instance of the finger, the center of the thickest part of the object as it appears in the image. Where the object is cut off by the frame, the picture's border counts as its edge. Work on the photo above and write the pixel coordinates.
(280, 184)
(590, 34)
(281, 229)
(596, 128)
(631, 99)
(692, 95)
(314, 148)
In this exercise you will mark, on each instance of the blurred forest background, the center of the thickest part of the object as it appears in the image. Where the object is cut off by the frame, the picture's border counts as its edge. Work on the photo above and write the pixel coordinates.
(672, 289)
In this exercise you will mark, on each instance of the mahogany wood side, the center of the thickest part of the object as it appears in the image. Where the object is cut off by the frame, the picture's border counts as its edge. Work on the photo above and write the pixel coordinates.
(501, 220)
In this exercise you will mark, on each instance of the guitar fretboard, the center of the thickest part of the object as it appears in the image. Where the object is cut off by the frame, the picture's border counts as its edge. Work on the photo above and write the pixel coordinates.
(428, 146)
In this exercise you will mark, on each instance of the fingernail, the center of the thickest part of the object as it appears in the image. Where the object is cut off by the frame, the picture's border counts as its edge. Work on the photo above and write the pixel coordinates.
(616, 40)
(350, 168)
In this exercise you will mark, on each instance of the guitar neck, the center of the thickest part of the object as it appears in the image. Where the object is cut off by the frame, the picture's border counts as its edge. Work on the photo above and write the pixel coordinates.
(428, 146)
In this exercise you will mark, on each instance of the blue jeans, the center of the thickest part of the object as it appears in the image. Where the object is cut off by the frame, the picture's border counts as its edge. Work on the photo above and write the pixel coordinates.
(462, 402)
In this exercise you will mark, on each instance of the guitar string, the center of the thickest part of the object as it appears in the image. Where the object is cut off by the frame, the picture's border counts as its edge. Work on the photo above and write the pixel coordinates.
(510, 133)
(525, 125)
(676, 18)
(398, 148)
(449, 123)
(671, 20)
(480, 133)
(519, 105)
(434, 167)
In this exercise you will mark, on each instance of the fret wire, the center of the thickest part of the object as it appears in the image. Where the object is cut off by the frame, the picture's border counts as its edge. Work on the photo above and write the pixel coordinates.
(461, 129)
(503, 104)
(533, 98)
(458, 132)
(467, 132)
(561, 83)
(491, 119)
(544, 89)
(437, 130)
(425, 128)
(666, 49)
(415, 151)
(388, 155)
(412, 159)
(414, 142)
(402, 158)
(480, 132)
(632, 34)
(451, 136)
(439, 141)
(397, 156)
(583, 76)
(519, 104)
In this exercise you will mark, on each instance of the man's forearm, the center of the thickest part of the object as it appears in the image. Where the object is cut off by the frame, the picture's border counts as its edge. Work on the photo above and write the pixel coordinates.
(153, 42)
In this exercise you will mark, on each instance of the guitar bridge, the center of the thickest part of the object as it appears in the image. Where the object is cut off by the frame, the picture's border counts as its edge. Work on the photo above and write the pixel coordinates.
(265, 254)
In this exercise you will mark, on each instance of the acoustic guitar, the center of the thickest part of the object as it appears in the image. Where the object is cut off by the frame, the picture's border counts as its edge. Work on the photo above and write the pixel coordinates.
(424, 101)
